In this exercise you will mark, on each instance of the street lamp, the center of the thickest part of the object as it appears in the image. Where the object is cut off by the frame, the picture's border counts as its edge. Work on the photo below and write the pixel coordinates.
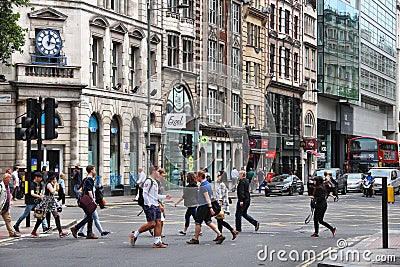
(149, 92)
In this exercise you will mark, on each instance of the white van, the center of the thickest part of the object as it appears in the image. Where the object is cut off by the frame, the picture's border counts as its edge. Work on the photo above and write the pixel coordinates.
(393, 178)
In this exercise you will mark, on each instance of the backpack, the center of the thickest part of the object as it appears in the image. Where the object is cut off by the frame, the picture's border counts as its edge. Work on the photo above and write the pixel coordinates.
(140, 198)
(3, 195)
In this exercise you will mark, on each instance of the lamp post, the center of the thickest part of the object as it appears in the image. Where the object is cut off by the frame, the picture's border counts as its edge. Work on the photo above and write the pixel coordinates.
(149, 92)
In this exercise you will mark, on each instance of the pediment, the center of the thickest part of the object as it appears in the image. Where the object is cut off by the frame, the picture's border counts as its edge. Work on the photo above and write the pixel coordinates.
(99, 21)
(137, 33)
(48, 13)
(119, 27)
(236, 42)
(154, 39)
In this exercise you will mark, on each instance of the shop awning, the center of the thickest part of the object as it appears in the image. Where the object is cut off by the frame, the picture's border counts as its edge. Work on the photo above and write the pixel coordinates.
(315, 153)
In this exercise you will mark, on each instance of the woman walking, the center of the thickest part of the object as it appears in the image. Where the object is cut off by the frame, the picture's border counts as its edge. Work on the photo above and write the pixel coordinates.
(319, 197)
(222, 196)
(190, 200)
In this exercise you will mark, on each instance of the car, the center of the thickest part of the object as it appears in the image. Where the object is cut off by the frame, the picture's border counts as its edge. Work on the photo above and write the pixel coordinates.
(393, 178)
(336, 174)
(354, 181)
(285, 184)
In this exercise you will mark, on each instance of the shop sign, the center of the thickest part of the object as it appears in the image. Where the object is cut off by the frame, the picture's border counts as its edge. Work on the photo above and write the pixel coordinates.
(175, 121)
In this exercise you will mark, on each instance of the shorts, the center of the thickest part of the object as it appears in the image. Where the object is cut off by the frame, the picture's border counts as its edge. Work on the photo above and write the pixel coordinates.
(203, 214)
(153, 213)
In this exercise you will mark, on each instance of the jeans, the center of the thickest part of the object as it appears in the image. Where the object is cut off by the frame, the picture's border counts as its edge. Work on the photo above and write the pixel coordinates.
(87, 219)
(234, 183)
(76, 188)
(263, 183)
(27, 210)
(241, 211)
(96, 220)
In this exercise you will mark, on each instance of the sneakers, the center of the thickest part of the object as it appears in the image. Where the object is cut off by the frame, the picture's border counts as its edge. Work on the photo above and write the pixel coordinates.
(63, 234)
(182, 232)
(16, 228)
(193, 241)
(315, 235)
(47, 230)
(14, 234)
(334, 231)
(234, 234)
(105, 233)
(81, 235)
(160, 245)
(257, 226)
(34, 234)
(132, 239)
(220, 239)
(74, 231)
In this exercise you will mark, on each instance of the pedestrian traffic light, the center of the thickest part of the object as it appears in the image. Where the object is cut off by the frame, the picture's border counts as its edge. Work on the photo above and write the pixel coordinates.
(50, 118)
(29, 122)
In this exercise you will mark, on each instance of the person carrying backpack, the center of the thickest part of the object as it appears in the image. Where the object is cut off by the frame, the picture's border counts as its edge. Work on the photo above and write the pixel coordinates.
(152, 210)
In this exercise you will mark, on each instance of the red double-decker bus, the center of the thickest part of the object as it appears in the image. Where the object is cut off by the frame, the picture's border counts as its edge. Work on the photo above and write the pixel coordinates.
(366, 152)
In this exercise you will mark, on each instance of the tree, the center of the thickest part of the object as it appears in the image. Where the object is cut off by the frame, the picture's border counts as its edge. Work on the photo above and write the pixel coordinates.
(12, 37)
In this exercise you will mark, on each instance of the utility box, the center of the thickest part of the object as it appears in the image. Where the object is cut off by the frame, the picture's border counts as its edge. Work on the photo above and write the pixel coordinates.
(390, 194)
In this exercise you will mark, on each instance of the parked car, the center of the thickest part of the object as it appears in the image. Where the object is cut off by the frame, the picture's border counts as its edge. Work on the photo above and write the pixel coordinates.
(336, 174)
(354, 181)
(285, 184)
(393, 178)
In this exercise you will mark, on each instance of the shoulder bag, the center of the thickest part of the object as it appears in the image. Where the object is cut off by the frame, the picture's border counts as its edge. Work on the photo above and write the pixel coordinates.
(215, 206)
(87, 204)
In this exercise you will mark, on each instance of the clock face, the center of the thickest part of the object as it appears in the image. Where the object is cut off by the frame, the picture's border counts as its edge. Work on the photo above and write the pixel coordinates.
(48, 42)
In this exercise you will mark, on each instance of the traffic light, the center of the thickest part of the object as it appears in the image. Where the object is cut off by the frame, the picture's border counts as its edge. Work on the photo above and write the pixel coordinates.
(29, 122)
(188, 145)
(50, 118)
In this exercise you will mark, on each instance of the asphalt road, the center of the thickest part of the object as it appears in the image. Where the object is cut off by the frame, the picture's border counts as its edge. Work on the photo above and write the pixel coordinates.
(282, 234)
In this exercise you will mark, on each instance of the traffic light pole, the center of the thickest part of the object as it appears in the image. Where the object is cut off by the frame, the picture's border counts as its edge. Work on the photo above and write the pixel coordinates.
(39, 131)
(28, 175)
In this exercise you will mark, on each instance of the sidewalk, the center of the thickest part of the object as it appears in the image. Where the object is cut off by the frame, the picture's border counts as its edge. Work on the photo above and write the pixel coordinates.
(71, 202)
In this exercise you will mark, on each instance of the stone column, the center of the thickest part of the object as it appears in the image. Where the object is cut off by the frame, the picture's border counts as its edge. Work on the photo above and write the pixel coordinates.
(74, 133)
(20, 158)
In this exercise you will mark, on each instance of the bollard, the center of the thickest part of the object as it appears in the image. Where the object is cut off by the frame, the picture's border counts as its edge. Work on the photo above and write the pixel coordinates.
(390, 194)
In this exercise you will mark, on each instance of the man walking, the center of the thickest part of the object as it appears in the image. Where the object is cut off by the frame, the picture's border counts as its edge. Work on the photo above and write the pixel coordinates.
(234, 176)
(5, 210)
(243, 203)
(152, 210)
(15, 179)
(77, 178)
(205, 210)
(33, 198)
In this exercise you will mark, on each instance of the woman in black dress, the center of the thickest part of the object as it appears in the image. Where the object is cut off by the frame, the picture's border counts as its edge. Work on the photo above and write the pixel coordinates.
(319, 197)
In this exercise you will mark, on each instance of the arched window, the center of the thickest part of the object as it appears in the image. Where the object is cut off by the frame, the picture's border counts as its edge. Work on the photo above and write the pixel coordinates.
(134, 148)
(309, 125)
(93, 149)
(115, 146)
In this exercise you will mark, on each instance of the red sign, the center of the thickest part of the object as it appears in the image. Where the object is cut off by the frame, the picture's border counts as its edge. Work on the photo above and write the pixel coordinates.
(264, 143)
(252, 143)
(311, 143)
(270, 155)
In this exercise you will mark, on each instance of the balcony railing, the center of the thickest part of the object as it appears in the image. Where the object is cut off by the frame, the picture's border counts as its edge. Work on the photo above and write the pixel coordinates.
(53, 73)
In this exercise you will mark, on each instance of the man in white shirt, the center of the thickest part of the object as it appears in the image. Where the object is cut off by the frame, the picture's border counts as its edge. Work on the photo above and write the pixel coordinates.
(15, 178)
(152, 210)
(234, 176)
(140, 181)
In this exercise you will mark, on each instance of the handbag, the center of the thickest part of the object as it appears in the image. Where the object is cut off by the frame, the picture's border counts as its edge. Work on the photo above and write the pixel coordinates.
(313, 203)
(87, 204)
(215, 206)
(39, 213)
(220, 215)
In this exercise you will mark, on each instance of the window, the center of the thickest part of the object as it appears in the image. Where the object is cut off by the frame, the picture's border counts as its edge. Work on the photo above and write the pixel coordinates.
(272, 17)
(132, 67)
(116, 63)
(258, 36)
(247, 115)
(296, 25)
(115, 147)
(272, 58)
(306, 52)
(188, 12)
(287, 62)
(312, 59)
(248, 66)
(212, 105)
(235, 110)
(113, 4)
(221, 57)
(287, 21)
(235, 61)
(249, 33)
(280, 61)
(308, 125)
(187, 45)
(236, 17)
(280, 19)
(173, 49)
(257, 70)
(221, 14)
(172, 6)
(95, 62)
(94, 141)
(153, 59)
(212, 17)
(212, 54)
(296, 67)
